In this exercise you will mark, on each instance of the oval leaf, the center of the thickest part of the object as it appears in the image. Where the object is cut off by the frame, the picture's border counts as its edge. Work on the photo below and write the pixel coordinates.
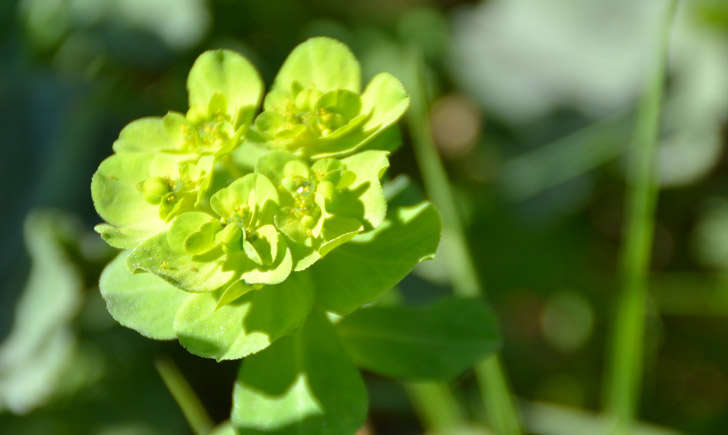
(303, 384)
(321, 63)
(140, 301)
(437, 341)
(153, 134)
(386, 100)
(193, 273)
(225, 73)
(247, 325)
(369, 167)
(118, 200)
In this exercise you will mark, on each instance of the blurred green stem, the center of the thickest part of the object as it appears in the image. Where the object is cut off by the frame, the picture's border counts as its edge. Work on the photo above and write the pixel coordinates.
(625, 371)
(500, 409)
(184, 395)
(436, 405)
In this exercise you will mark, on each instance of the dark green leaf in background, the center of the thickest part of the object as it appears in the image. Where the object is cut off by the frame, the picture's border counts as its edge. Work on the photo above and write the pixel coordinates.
(437, 341)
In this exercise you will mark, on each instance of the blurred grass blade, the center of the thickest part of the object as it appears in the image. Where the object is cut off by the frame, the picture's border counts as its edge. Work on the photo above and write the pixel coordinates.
(436, 405)
(625, 371)
(501, 412)
(185, 396)
(557, 162)
(436, 341)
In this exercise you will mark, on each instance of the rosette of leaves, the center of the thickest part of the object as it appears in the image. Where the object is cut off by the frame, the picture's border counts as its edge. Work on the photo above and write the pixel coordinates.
(244, 257)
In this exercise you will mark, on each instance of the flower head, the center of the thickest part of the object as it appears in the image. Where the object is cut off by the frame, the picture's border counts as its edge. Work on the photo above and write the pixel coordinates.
(197, 222)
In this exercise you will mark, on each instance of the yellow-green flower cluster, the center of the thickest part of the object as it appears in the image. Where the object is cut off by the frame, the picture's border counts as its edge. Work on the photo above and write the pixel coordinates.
(229, 197)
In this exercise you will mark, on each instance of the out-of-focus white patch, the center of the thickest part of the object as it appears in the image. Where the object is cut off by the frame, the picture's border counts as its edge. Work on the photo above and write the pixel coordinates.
(524, 58)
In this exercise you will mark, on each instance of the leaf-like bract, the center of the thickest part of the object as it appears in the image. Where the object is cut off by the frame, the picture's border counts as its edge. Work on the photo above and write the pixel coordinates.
(246, 325)
(228, 74)
(375, 261)
(140, 301)
(302, 384)
(321, 63)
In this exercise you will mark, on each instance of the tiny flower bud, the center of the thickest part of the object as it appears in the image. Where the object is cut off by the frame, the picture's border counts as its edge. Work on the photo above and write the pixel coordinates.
(230, 236)
(154, 188)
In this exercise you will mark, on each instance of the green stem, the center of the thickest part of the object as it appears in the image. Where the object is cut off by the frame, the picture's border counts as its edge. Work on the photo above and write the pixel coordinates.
(436, 406)
(500, 409)
(184, 395)
(626, 365)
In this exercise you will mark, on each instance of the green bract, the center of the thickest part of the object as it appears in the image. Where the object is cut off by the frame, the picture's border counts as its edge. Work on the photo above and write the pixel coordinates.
(240, 231)
(316, 107)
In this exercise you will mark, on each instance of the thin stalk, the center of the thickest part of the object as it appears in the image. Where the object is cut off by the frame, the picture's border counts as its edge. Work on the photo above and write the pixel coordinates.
(500, 409)
(625, 371)
(436, 406)
(184, 395)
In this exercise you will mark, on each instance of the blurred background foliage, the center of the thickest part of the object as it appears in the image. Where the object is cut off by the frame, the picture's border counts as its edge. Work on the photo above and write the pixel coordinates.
(532, 109)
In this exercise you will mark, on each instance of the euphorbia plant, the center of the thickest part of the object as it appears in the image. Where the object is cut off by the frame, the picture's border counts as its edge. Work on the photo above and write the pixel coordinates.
(261, 234)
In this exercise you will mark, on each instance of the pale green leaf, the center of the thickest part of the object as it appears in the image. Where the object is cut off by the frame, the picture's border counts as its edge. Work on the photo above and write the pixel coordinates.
(118, 200)
(234, 291)
(122, 238)
(193, 273)
(246, 325)
(320, 63)
(373, 262)
(337, 231)
(225, 73)
(192, 233)
(437, 341)
(385, 100)
(277, 261)
(390, 139)
(273, 163)
(369, 166)
(246, 156)
(143, 301)
(302, 384)
(153, 134)
(254, 191)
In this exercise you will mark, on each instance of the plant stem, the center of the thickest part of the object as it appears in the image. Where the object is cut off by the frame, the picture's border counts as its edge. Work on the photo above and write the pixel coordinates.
(500, 409)
(625, 371)
(184, 395)
(436, 406)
